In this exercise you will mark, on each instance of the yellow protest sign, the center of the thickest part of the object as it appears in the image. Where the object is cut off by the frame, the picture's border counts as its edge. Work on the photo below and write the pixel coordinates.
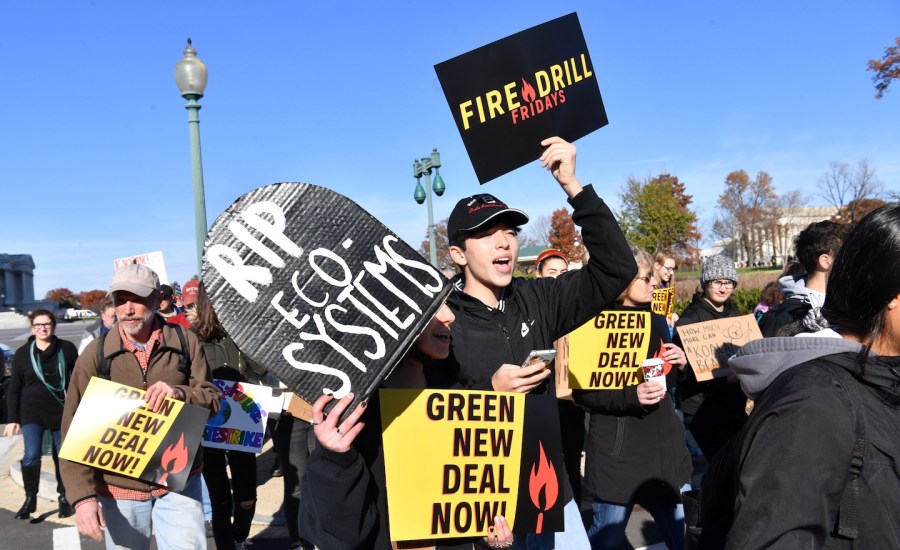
(606, 352)
(663, 301)
(113, 431)
(708, 345)
(488, 454)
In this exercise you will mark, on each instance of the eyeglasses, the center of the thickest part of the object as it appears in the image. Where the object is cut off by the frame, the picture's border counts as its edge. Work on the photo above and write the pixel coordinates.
(43, 325)
(645, 278)
(722, 284)
(673, 268)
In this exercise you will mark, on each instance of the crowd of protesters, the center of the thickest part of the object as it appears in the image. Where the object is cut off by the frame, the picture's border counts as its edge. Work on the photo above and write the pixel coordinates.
(813, 465)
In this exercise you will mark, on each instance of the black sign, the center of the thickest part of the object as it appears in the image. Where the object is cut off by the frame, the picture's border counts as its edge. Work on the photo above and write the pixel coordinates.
(316, 290)
(509, 95)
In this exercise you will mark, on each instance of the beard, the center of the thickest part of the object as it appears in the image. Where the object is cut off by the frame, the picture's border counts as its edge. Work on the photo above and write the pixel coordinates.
(133, 329)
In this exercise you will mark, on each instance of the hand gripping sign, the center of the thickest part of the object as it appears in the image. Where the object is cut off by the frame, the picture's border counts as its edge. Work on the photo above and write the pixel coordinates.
(316, 290)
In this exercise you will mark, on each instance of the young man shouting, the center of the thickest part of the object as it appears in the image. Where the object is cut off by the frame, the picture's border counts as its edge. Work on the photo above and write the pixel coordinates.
(500, 319)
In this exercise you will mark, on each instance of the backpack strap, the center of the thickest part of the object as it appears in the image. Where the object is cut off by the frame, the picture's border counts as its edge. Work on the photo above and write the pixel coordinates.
(102, 360)
(846, 525)
(184, 362)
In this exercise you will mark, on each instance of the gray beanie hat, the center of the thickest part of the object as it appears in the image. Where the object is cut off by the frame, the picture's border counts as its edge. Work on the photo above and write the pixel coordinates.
(718, 267)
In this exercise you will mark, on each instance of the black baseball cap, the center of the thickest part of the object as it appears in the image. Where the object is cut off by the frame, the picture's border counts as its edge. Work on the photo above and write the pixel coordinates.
(475, 211)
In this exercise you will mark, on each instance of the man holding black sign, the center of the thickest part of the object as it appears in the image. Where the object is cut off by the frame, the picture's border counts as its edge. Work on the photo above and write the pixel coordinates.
(500, 319)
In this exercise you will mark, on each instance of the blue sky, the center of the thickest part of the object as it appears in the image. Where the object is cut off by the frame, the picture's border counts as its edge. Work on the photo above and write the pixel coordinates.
(94, 149)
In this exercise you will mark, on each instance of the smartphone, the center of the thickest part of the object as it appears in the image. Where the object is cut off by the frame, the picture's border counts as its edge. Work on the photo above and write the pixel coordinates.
(539, 355)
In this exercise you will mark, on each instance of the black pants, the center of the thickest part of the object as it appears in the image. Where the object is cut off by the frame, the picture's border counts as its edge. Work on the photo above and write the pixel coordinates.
(293, 439)
(571, 424)
(226, 496)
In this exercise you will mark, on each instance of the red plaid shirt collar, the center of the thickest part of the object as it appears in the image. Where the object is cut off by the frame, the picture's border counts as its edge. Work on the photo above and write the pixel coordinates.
(143, 352)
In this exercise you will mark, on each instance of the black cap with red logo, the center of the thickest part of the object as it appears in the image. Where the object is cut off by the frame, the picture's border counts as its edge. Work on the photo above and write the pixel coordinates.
(475, 211)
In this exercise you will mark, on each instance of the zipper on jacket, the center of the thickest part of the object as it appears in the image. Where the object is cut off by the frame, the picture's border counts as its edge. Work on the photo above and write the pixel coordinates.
(620, 436)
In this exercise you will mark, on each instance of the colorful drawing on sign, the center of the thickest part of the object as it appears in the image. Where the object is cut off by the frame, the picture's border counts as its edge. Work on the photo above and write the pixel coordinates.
(708, 345)
(606, 352)
(312, 286)
(240, 424)
(489, 454)
(113, 431)
(663, 301)
(509, 95)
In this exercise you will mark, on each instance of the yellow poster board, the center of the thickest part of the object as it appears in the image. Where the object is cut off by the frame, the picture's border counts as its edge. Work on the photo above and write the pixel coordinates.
(663, 301)
(606, 352)
(113, 431)
(708, 345)
(456, 459)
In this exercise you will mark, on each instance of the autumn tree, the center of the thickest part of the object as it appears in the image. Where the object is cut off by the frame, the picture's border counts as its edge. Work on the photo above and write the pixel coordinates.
(62, 296)
(92, 299)
(856, 209)
(656, 215)
(748, 213)
(536, 233)
(886, 69)
(843, 185)
(442, 245)
(564, 235)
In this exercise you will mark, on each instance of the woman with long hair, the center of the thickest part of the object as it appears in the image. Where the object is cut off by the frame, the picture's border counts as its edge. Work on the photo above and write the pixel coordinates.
(636, 451)
(233, 500)
(817, 460)
(37, 391)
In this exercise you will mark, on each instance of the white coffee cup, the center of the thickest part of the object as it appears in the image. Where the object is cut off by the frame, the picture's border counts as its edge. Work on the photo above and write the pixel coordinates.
(654, 371)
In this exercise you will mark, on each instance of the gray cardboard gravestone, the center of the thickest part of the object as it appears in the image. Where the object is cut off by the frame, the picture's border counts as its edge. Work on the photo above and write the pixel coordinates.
(315, 289)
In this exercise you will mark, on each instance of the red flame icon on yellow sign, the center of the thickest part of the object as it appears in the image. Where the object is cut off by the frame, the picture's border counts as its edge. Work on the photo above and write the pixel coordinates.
(174, 459)
(543, 486)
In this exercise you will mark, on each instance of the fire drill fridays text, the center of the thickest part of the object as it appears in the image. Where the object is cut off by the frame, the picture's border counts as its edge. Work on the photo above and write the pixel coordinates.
(353, 291)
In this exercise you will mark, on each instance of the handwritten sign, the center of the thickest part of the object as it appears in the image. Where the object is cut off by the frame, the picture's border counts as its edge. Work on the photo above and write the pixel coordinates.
(113, 431)
(509, 95)
(313, 287)
(489, 454)
(663, 301)
(241, 421)
(153, 260)
(708, 345)
(606, 352)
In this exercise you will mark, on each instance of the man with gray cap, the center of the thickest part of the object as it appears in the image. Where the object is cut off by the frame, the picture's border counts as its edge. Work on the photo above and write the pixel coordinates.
(145, 352)
(501, 318)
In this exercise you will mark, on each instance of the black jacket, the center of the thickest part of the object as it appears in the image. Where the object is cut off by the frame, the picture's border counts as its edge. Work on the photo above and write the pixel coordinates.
(797, 446)
(344, 500)
(534, 313)
(635, 453)
(719, 391)
(29, 401)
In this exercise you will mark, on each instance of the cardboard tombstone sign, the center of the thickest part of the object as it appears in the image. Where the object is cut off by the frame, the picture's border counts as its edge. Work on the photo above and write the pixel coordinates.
(316, 290)
(509, 95)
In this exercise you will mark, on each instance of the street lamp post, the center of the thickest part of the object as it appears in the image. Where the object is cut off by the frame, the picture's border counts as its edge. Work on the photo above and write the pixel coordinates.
(421, 168)
(190, 76)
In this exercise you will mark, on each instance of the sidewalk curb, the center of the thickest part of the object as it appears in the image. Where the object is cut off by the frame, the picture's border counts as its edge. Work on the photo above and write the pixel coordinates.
(47, 486)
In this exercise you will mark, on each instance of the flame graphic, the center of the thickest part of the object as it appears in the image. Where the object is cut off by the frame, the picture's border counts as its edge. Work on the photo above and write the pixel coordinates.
(174, 459)
(658, 355)
(543, 483)
(528, 93)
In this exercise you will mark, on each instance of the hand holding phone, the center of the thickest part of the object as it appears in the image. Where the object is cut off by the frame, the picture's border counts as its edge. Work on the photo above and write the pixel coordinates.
(539, 355)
